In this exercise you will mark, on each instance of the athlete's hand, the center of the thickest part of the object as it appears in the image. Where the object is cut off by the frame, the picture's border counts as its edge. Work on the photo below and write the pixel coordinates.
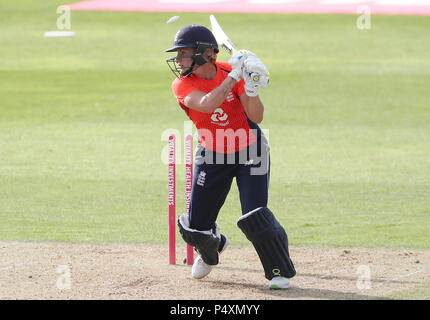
(254, 70)
(236, 61)
(255, 74)
(251, 88)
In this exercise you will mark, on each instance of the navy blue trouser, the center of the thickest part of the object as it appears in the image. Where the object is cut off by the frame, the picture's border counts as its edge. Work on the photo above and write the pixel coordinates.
(212, 181)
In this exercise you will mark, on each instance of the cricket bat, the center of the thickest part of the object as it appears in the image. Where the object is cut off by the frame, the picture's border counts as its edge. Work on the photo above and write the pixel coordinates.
(221, 37)
(225, 42)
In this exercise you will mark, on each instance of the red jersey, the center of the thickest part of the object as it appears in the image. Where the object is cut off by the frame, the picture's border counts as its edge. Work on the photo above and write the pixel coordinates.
(226, 130)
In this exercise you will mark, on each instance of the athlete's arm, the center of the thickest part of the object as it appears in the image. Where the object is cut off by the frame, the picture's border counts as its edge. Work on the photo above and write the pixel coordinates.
(254, 108)
(208, 102)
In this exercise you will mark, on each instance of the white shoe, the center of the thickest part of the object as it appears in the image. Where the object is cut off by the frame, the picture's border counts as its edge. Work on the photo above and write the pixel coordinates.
(279, 283)
(200, 268)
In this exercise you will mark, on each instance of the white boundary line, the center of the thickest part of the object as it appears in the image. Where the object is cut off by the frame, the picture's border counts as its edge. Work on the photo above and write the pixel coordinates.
(401, 277)
(340, 271)
(13, 266)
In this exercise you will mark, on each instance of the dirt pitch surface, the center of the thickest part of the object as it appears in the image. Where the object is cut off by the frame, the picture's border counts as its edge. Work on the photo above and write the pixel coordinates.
(117, 271)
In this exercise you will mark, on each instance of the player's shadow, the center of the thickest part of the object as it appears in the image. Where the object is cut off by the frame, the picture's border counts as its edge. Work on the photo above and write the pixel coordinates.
(297, 292)
(324, 294)
(314, 292)
(240, 269)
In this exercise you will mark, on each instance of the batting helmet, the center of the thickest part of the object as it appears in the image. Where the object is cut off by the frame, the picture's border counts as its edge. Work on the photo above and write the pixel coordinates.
(193, 36)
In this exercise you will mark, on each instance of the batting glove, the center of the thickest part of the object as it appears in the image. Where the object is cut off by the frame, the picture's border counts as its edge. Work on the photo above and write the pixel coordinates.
(255, 74)
(236, 61)
(251, 89)
(256, 71)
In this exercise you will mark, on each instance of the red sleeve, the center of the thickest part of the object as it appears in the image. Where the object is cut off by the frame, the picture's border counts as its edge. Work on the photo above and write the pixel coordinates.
(182, 88)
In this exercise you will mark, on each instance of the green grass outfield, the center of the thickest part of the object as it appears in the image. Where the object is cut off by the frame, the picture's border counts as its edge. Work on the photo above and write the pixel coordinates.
(81, 121)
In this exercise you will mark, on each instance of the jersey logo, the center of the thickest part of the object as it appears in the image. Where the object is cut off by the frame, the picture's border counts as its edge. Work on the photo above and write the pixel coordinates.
(201, 179)
(249, 162)
(219, 117)
(230, 97)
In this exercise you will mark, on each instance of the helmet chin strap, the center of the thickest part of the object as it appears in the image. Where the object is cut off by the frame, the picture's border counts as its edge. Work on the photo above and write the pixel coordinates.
(198, 60)
(189, 70)
(198, 63)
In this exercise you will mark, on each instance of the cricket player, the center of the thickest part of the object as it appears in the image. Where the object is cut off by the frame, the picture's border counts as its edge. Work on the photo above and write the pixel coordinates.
(222, 101)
